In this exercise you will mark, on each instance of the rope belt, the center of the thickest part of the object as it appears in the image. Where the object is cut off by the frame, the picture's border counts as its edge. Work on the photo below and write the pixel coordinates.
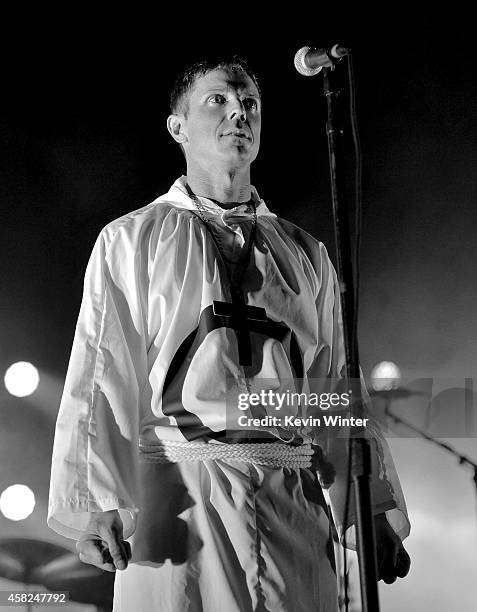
(275, 455)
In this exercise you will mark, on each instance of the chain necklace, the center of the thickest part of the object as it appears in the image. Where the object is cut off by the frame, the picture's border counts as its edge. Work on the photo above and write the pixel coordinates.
(235, 280)
(201, 210)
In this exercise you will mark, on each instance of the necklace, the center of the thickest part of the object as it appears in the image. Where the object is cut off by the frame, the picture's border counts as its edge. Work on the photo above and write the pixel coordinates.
(237, 315)
(242, 265)
(201, 211)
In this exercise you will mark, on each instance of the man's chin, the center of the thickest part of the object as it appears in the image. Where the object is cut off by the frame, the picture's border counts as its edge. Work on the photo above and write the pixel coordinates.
(234, 156)
(241, 152)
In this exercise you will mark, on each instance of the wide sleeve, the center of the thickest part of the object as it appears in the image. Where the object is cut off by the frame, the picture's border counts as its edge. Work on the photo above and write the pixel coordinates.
(330, 365)
(95, 451)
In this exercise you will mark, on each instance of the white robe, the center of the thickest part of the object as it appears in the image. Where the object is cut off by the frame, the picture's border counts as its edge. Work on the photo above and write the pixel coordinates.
(212, 535)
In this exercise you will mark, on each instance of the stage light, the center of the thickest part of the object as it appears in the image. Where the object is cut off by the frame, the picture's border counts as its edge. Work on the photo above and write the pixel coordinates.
(21, 379)
(17, 502)
(385, 376)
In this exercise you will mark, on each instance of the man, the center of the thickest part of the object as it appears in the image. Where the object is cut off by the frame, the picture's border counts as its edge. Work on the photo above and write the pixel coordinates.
(200, 292)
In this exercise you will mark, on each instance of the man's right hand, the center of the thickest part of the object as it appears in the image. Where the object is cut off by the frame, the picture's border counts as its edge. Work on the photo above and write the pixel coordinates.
(102, 542)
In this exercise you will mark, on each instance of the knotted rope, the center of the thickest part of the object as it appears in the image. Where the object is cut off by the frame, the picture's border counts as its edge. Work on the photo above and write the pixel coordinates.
(275, 455)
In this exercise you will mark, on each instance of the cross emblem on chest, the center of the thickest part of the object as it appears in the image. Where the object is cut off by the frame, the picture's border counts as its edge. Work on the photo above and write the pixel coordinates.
(239, 316)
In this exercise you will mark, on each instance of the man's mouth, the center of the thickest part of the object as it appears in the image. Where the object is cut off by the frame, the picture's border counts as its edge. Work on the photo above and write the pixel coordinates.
(238, 134)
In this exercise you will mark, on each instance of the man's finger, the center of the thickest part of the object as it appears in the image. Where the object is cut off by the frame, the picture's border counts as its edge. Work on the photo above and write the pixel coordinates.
(116, 548)
(127, 546)
(90, 550)
(102, 542)
(386, 561)
(108, 567)
(398, 566)
(110, 554)
(94, 552)
(387, 573)
(403, 563)
(111, 533)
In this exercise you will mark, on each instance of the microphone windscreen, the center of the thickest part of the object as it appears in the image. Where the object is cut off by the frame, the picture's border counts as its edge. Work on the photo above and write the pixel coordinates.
(300, 64)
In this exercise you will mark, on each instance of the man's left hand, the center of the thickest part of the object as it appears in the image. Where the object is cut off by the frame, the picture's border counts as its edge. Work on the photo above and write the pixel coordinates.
(393, 560)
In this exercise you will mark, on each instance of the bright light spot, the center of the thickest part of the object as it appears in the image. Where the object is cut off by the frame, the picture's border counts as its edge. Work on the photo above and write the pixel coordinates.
(385, 376)
(21, 379)
(17, 502)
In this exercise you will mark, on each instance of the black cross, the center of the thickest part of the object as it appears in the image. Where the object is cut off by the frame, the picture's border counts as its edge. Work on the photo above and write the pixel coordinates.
(216, 316)
(240, 314)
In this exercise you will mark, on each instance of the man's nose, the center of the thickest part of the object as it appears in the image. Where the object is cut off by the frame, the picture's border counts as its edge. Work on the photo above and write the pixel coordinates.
(237, 111)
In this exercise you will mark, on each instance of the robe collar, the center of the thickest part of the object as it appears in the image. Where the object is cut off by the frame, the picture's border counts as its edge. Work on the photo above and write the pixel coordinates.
(178, 196)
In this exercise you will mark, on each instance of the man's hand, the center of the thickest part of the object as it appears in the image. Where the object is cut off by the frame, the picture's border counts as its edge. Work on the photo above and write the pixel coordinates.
(393, 560)
(102, 542)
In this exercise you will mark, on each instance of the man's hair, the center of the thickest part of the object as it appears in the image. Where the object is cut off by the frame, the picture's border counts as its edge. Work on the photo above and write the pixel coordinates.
(185, 81)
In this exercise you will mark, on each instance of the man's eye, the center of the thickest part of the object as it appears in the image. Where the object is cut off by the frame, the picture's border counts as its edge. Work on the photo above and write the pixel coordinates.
(250, 104)
(217, 99)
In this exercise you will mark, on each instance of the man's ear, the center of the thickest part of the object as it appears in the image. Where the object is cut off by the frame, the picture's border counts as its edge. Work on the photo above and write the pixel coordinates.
(175, 126)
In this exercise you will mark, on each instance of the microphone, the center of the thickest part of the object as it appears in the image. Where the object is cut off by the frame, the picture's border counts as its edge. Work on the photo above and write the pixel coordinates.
(309, 61)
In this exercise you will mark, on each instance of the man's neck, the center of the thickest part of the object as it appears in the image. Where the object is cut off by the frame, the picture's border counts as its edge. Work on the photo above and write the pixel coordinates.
(228, 188)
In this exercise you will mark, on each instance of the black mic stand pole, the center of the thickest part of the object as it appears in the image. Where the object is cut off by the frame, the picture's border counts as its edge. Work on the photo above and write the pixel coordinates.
(359, 446)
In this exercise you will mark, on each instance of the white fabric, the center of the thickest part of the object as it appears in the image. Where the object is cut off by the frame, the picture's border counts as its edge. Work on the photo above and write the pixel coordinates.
(151, 276)
(228, 536)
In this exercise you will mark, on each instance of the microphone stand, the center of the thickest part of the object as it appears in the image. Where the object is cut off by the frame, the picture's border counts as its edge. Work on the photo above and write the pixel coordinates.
(360, 448)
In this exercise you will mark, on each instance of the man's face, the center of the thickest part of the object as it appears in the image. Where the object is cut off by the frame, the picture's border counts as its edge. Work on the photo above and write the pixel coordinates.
(222, 126)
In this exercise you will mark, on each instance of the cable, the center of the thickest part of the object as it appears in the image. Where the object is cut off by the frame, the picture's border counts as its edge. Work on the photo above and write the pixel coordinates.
(356, 280)
(358, 187)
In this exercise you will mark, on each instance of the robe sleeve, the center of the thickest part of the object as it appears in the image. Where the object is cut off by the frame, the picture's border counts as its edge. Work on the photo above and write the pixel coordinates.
(95, 451)
(330, 363)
